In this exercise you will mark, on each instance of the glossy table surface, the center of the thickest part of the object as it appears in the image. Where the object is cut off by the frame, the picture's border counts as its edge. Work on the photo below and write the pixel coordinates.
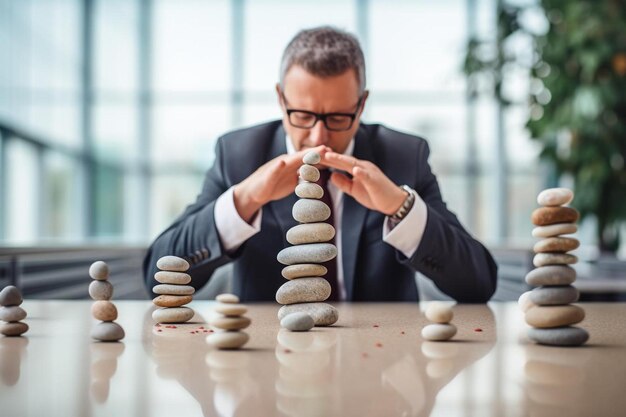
(372, 363)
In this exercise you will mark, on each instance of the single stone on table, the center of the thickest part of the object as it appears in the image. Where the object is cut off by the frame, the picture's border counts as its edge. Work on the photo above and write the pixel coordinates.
(323, 314)
(551, 275)
(172, 300)
(555, 197)
(13, 313)
(303, 290)
(231, 309)
(13, 329)
(543, 259)
(303, 270)
(228, 339)
(439, 312)
(168, 289)
(310, 233)
(107, 331)
(309, 253)
(169, 277)
(230, 323)
(556, 244)
(559, 295)
(172, 263)
(227, 298)
(560, 336)
(101, 290)
(555, 230)
(524, 302)
(10, 296)
(554, 316)
(309, 173)
(298, 322)
(172, 315)
(104, 310)
(307, 210)
(438, 332)
(311, 158)
(544, 216)
(309, 190)
(99, 270)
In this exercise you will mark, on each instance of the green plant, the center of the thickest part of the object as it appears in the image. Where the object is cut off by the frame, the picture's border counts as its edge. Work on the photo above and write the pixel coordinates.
(576, 65)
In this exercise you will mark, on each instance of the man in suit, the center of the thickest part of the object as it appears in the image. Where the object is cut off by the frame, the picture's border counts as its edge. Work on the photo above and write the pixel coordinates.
(388, 211)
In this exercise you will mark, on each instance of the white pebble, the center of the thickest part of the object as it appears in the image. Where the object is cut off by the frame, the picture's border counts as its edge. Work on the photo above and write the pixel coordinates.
(438, 332)
(439, 312)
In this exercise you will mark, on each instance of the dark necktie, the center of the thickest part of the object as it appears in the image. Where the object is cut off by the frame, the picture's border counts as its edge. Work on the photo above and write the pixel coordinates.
(331, 265)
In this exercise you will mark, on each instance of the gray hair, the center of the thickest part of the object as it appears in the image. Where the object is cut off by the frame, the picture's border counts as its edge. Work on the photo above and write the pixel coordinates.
(324, 51)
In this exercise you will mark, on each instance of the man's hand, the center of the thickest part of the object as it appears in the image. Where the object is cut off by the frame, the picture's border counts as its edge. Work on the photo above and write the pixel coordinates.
(274, 180)
(369, 185)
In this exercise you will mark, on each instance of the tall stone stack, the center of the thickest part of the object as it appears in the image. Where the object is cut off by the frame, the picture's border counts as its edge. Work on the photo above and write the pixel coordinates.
(548, 307)
(11, 312)
(306, 289)
(173, 291)
(230, 321)
(101, 291)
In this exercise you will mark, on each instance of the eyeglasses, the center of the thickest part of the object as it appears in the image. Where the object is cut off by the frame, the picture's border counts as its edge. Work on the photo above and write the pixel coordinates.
(336, 122)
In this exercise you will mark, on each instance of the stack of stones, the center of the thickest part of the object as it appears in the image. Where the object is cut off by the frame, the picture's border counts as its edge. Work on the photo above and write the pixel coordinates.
(173, 291)
(440, 313)
(306, 289)
(11, 312)
(229, 321)
(101, 290)
(547, 307)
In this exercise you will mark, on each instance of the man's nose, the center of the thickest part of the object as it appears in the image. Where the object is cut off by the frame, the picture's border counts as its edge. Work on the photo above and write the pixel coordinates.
(319, 134)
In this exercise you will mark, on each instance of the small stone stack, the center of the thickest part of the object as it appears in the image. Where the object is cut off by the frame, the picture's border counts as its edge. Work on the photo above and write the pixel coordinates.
(441, 314)
(101, 290)
(173, 291)
(229, 321)
(547, 308)
(11, 312)
(306, 289)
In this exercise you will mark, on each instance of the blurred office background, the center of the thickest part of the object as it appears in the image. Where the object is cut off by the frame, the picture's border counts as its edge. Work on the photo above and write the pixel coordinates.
(109, 111)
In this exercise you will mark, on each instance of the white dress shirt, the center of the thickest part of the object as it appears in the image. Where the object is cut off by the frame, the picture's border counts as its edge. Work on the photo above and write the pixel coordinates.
(405, 236)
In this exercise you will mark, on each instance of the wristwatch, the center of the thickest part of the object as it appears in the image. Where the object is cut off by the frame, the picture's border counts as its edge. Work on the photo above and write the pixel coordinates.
(405, 207)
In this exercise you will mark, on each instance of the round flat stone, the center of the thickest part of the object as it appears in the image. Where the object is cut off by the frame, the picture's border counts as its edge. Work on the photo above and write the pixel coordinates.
(554, 316)
(10, 296)
(172, 263)
(99, 270)
(101, 290)
(543, 259)
(524, 302)
(323, 314)
(544, 216)
(227, 298)
(306, 254)
(555, 197)
(104, 310)
(311, 158)
(298, 322)
(551, 275)
(172, 300)
(230, 323)
(169, 289)
(303, 270)
(303, 290)
(310, 233)
(307, 210)
(172, 315)
(309, 173)
(231, 309)
(556, 244)
(13, 313)
(560, 295)
(555, 230)
(439, 312)
(560, 336)
(169, 277)
(438, 332)
(107, 331)
(228, 339)
(309, 190)
(13, 329)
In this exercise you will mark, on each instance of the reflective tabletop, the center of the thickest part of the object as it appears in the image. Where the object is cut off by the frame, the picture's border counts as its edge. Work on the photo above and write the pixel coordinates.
(373, 362)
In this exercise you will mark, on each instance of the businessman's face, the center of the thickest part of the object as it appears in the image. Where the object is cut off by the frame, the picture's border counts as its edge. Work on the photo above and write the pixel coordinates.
(307, 92)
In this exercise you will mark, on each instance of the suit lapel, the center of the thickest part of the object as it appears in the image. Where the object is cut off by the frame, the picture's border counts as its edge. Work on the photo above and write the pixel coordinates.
(282, 208)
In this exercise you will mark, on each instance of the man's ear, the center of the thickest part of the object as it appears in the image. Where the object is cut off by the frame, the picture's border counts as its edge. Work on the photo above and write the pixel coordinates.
(366, 94)
(279, 95)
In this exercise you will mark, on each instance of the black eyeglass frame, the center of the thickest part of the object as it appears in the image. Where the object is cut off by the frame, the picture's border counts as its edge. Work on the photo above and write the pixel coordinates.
(323, 116)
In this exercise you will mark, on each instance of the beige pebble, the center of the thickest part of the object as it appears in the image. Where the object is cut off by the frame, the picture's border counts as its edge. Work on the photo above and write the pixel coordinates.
(107, 331)
(556, 244)
(555, 230)
(309, 173)
(13, 329)
(13, 313)
(438, 332)
(227, 298)
(172, 300)
(228, 339)
(169, 277)
(168, 289)
(524, 302)
(230, 323)
(303, 290)
(311, 158)
(231, 309)
(101, 290)
(554, 316)
(555, 197)
(104, 310)
(310, 233)
(172, 263)
(303, 270)
(543, 259)
(172, 315)
(99, 270)
(309, 190)
(439, 312)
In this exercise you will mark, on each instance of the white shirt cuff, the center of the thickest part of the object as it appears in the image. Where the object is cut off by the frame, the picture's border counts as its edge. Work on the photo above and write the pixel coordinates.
(407, 234)
(232, 229)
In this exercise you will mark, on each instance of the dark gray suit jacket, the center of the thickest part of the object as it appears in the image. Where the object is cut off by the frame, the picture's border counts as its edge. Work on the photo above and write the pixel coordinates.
(373, 270)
